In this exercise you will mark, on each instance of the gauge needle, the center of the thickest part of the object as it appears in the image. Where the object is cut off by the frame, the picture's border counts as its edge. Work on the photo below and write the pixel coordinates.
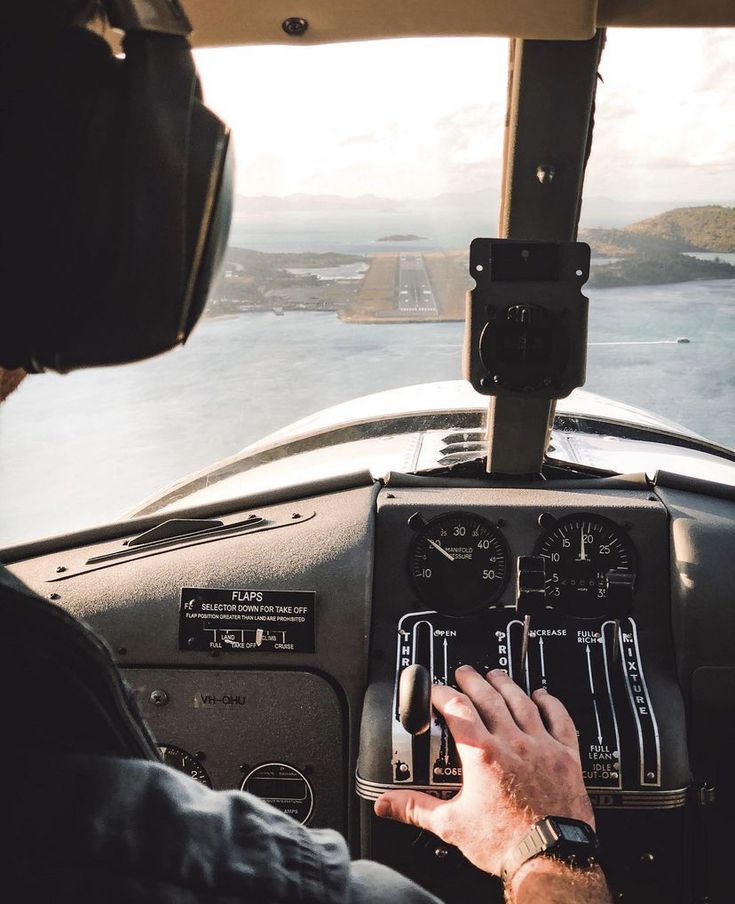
(582, 555)
(441, 550)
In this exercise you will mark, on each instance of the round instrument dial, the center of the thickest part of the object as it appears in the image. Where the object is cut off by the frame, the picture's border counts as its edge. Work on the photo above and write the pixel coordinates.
(458, 562)
(580, 550)
(184, 762)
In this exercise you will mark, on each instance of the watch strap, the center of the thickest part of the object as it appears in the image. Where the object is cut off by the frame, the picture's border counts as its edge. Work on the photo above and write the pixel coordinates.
(534, 843)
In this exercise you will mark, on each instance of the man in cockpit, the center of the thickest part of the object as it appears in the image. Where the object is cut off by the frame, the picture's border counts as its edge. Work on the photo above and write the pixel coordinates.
(88, 817)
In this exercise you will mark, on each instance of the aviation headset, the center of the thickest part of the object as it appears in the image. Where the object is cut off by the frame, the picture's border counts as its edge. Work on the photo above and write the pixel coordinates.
(115, 189)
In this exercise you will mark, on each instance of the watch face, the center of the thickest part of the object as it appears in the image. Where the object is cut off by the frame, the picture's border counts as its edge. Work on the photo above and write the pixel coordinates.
(573, 833)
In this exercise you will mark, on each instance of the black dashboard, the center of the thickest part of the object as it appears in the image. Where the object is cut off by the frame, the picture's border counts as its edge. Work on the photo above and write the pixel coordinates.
(266, 645)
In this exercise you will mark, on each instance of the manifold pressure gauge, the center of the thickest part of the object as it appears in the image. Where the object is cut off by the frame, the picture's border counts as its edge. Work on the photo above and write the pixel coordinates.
(458, 562)
(581, 550)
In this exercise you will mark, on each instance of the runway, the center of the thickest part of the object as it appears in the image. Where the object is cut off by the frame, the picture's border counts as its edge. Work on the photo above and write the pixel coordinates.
(414, 292)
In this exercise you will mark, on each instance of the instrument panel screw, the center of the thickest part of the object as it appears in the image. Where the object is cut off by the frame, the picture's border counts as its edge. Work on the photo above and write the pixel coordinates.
(647, 857)
(294, 26)
(295, 516)
(159, 697)
(54, 596)
(60, 569)
(650, 776)
(122, 651)
(403, 767)
(501, 522)
(441, 852)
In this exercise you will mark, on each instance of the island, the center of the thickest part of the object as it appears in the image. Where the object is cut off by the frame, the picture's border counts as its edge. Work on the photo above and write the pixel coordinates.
(663, 249)
(402, 238)
(657, 268)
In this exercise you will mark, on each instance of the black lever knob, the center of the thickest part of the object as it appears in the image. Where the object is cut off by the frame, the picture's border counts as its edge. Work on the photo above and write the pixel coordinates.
(619, 601)
(414, 699)
(531, 585)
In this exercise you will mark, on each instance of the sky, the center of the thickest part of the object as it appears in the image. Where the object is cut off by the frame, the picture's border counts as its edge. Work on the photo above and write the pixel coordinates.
(416, 118)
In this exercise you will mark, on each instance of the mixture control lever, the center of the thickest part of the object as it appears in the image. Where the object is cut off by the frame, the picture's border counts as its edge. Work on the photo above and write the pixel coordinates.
(414, 699)
(619, 602)
(530, 595)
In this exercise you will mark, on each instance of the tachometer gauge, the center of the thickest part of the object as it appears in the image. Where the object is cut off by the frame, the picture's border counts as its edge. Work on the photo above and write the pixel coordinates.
(184, 762)
(458, 562)
(580, 551)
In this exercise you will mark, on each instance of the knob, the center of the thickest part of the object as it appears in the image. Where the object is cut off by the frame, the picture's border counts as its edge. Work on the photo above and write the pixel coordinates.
(414, 699)
(531, 585)
(619, 602)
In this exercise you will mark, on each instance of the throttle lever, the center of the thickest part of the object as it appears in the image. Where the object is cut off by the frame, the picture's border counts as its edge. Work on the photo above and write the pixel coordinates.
(414, 699)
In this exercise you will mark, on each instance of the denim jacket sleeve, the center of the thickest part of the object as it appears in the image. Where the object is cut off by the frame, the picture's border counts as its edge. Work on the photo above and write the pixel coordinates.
(114, 829)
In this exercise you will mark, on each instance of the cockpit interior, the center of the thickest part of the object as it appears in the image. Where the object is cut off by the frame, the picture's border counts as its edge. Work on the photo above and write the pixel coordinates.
(282, 614)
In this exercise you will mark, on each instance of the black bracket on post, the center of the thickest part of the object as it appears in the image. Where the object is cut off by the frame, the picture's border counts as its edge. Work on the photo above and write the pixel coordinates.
(525, 339)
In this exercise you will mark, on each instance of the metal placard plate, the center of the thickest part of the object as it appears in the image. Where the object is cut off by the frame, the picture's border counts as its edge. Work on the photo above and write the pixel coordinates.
(263, 621)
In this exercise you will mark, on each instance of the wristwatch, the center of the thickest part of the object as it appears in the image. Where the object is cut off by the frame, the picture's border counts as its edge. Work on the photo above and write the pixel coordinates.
(569, 840)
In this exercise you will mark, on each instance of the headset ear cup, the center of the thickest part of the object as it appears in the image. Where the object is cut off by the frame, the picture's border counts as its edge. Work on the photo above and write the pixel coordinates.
(59, 135)
(125, 174)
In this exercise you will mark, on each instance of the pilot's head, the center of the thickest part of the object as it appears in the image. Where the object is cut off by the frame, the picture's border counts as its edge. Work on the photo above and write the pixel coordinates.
(115, 189)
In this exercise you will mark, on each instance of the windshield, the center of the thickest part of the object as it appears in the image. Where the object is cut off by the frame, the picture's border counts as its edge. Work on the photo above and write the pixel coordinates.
(363, 172)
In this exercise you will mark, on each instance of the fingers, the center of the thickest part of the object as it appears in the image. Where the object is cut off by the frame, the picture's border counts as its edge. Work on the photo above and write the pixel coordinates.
(488, 702)
(558, 722)
(461, 716)
(411, 807)
(524, 711)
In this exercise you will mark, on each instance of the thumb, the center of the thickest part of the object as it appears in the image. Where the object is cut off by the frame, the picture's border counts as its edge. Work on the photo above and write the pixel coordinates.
(411, 807)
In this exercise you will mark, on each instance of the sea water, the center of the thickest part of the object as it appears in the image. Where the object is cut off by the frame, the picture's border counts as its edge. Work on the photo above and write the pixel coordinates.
(83, 448)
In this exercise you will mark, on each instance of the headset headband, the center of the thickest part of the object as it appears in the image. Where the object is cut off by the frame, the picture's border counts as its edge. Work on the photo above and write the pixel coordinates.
(161, 16)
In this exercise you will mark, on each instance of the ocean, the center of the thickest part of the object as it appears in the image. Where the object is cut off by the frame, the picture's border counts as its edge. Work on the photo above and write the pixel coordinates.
(81, 449)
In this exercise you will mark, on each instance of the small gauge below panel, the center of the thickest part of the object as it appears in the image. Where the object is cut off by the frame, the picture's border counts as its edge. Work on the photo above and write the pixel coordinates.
(283, 787)
(458, 562)
(580, 551)
(184, 762)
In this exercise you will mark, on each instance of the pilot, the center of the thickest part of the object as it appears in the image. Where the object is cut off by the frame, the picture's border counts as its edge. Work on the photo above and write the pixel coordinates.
(90, 815)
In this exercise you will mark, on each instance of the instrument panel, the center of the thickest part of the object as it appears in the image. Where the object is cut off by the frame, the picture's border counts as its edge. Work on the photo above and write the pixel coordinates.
(564, 587)
(562, 590)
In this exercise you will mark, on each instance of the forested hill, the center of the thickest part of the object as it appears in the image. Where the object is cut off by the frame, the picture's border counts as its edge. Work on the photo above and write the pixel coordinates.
(692, 228)
(659, 250)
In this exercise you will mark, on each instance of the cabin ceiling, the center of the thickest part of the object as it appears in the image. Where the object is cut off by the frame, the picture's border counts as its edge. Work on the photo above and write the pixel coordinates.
(224, 22)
